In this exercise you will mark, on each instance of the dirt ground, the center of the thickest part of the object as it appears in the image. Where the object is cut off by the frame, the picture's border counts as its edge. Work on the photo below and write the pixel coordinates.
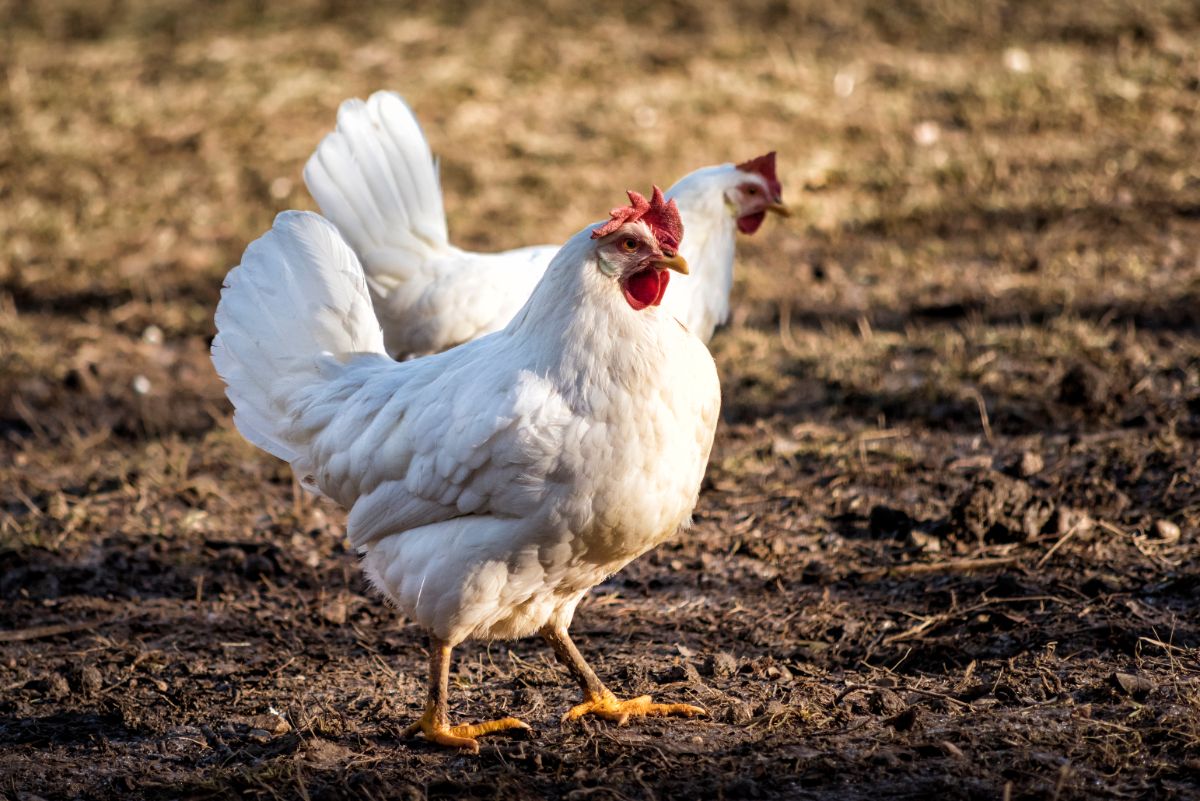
(947, 546)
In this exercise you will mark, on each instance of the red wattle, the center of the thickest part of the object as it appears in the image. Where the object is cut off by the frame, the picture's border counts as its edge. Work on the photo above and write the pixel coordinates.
(664, 278)
(646, 288)
(750, 222)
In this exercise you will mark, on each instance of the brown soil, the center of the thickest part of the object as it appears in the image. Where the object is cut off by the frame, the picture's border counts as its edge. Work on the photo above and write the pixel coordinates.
(947, 546)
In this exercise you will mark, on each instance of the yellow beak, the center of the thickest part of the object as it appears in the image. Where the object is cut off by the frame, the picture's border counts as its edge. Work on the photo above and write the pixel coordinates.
(780, 209)
(675, 262)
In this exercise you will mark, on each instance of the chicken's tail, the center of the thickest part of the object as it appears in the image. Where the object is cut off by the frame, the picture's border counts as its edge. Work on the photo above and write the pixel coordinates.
(376, 179)
(291, 315)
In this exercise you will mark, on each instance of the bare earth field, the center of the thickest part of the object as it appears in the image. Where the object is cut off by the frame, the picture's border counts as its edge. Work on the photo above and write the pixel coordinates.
(948, 542)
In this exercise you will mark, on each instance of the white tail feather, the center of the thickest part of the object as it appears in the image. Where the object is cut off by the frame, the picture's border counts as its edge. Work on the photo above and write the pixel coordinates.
(376, 179)
(297, 298)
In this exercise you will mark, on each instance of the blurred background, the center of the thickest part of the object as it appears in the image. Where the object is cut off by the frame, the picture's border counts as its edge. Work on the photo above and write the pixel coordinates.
(948, 538)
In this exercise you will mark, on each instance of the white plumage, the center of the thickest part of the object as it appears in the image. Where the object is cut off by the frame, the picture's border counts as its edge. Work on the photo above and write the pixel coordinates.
(376, 179)
(489, 486)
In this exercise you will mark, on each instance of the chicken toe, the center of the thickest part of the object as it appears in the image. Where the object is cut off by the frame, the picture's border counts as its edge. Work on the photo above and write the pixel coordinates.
(598, 699)
(463, 736)
(608, 706)
(434, 723)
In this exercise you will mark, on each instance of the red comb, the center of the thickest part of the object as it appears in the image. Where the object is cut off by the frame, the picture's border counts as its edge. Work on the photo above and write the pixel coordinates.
(764, 166)
(660, 214)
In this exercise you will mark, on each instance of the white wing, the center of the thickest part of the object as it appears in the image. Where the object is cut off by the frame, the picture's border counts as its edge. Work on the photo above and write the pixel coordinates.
(403, 444)
(407, 444)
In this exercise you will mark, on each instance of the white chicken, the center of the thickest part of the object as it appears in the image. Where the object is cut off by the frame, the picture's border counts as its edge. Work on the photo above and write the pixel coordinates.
(376, 179)
(492, 485)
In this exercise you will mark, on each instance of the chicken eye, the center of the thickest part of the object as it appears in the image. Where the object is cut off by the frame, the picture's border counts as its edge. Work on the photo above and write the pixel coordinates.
(630, 244)
(752, 190)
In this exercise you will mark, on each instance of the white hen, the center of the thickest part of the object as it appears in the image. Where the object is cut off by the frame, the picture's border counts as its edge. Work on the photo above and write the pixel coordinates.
(492, 485)
(376, 179)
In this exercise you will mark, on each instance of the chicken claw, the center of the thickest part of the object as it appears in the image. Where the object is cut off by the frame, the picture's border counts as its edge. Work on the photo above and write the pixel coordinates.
(435, 722)
(598, 699)
(459, 736)
(609, 707)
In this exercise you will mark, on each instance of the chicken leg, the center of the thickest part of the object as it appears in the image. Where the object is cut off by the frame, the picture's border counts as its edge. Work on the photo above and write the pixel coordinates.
(599, 700)
(435, 722)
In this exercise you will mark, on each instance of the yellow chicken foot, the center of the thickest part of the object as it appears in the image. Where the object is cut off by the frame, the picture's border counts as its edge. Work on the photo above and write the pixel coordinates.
(435, 722)
(598, 699)
(462, 736)
(609, 707)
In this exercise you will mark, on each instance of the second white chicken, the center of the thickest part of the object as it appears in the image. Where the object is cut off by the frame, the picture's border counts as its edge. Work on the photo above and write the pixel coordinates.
(376, 179)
